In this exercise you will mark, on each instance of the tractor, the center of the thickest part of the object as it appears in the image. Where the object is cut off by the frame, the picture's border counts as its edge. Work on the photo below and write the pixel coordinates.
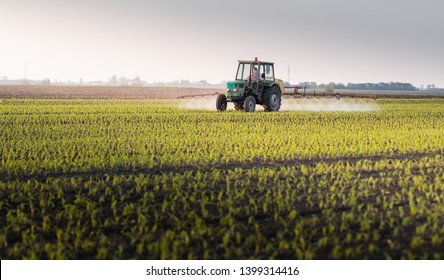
(254, 84)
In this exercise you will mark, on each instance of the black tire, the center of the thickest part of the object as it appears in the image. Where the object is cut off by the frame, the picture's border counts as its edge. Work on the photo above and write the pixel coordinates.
(249, 104)
(238, 106)
(272, 99)
(221, 102)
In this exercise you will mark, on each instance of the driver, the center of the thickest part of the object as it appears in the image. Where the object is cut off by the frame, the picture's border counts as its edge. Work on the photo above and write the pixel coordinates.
(254, 74)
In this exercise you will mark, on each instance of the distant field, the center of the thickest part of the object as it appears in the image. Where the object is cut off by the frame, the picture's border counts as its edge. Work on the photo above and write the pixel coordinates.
(142, 179)
(130, 92)
(96, 92)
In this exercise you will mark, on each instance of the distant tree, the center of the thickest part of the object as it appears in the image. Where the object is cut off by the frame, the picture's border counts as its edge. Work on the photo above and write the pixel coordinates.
(136, 81)
(46, 82)
(329, 88)
(113, 80)
(4, 78)
(381, 86)
(123, 81)
(308, 84)
(340, 86)
(432, 86)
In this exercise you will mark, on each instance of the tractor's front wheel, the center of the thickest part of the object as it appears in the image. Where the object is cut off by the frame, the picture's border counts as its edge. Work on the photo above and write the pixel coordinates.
(249, 104)
(221, 102)
(272, 99)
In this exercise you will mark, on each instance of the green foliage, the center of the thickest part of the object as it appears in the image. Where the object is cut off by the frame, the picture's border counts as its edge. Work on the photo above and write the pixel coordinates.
(144, 180)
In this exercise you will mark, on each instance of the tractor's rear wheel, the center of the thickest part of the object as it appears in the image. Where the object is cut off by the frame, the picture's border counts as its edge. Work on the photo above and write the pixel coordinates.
(238, 106)
(221, 102)
(249, 104)
(272, 99)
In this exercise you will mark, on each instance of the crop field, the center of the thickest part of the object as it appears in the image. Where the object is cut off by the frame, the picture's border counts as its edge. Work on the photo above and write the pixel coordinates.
(144, 179)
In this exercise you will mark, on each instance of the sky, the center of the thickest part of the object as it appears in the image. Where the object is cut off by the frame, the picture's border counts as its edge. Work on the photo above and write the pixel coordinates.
(318, 40)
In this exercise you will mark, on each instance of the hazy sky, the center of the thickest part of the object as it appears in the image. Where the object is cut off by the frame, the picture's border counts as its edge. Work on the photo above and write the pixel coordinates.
(165, 40)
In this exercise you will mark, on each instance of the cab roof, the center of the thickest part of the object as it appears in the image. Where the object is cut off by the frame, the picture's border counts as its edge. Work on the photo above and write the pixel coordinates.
(254, 62)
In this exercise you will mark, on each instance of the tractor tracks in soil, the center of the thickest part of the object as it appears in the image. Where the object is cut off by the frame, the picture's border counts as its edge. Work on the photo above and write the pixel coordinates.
(225, 167)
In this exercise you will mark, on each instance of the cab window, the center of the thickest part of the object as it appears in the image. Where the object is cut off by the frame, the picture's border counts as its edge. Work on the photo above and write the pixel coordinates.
(268, 70)
(243, 71)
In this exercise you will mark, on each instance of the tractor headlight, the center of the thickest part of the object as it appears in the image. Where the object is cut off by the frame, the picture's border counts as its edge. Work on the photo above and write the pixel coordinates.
(235, 90)
(228, 90)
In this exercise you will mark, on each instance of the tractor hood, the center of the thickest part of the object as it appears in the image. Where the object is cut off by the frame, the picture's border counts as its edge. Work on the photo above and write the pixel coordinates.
(236, 88)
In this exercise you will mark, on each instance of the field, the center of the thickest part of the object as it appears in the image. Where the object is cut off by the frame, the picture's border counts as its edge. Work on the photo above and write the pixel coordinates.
(97, 92)
(142, 179)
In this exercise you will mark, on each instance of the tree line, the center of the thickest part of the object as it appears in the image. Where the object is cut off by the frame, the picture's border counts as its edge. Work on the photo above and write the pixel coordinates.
(360, 86)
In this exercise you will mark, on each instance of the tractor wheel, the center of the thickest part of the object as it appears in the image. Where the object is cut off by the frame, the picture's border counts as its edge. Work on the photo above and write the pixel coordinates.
(249, 104)
(272, 99)
(221, 102)
(238, 106)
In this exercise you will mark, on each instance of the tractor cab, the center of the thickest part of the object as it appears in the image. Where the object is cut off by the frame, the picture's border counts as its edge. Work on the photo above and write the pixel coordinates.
(255, 70)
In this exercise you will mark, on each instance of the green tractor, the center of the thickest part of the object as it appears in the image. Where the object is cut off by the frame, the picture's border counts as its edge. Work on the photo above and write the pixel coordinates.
(254, 84)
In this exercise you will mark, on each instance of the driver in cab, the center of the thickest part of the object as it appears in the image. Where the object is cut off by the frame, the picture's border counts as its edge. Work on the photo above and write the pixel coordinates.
(254, 74)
